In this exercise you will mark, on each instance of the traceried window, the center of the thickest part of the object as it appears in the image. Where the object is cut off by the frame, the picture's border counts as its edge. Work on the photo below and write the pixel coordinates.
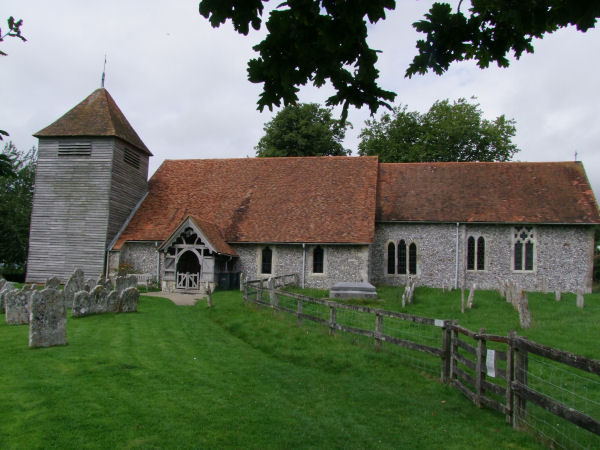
(475, 253)
(402, 257)
(412, 259)
(391, 258)
(266, 260)
(318, 260)
(524, 247)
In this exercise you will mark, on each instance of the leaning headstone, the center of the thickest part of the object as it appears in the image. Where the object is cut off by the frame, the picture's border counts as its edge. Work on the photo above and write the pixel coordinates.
(524, 313)
(74, 284)
(17, 306)
(53, 283)
(82, 304)
(98, 300)
(471, 296)
(580, 299)
(122, 283)
(209, 296)
(112, 302)
(558, 295)
(8, 286)
(128, 300)
(462, 300)
(89, 285)
(47, 319)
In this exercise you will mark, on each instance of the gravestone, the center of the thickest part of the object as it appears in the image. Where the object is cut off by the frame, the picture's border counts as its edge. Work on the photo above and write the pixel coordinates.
(471, 296)
(98, 300)
(580, 299)
(47, 319)
(2, 283)
(8, 286)
(53, 283)
(74, 284)
(112, 302)
(353, 290)
(125, 282)
(17, 306)
(82, 304)
(89, 285)
(128, 300)
(105, 282)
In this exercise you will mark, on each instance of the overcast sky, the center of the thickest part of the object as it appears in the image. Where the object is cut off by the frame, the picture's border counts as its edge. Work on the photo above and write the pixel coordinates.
(183, 87)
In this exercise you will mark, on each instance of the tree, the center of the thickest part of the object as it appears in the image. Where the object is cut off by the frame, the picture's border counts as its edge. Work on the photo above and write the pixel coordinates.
(326, 40)
(14, 30)
(16, 197)
(447, 132)
(305, 129)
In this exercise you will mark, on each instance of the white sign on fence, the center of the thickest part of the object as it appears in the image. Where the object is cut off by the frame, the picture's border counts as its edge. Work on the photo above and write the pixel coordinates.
(490, 363)
(439, 323)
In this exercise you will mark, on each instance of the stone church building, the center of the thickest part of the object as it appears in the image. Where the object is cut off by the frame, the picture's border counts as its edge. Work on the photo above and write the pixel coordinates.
(328, 219)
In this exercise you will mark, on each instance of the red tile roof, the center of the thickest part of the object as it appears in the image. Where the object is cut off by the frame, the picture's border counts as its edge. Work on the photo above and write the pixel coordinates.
(513, 192)
(97, 115)
(277, 200)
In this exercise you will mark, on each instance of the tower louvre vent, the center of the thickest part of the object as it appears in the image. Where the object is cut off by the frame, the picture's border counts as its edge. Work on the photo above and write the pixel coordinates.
(131, 158)
(74, 149)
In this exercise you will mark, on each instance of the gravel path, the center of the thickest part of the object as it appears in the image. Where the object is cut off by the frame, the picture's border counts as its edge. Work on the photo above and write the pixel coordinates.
(177, 298)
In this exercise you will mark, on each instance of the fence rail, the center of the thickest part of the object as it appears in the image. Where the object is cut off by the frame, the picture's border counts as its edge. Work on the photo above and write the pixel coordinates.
(499, 378)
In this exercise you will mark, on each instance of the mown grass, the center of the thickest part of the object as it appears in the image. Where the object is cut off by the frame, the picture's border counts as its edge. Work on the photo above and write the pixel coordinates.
(231, 376)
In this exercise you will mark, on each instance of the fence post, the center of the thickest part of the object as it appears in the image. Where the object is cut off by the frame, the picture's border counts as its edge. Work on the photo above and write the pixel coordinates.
(272, 295)
(479, 368)
(446, 350)
(521, 367)
(245, 289)
(299, 312)
(378, 330)
(510, 375)
(453, 349)
(259, 289)
(332, 314)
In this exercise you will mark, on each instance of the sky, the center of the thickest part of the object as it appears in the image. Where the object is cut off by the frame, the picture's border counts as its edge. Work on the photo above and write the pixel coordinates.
(183, 84)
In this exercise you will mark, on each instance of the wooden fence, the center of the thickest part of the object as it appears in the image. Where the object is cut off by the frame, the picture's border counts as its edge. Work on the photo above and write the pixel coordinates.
(493, 377)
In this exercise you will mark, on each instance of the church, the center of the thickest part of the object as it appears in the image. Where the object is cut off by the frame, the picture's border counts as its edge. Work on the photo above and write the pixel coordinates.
(203, 222)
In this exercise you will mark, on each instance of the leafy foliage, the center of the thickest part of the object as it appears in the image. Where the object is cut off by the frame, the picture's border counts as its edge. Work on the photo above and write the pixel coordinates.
(305, 129)
(16, 196)
(14, 30)
(315, 41)
(447, 132)
(492, 29)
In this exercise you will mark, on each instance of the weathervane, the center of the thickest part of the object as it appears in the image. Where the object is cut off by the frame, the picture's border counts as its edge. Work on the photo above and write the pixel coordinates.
(575, 156)
(104, 71)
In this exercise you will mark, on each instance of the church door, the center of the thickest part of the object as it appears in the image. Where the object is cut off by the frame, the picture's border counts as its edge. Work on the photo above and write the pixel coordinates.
(188, 271)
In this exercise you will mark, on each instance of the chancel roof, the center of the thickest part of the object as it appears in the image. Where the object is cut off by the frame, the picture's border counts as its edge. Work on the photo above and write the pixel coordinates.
(269, 200)
(97, 115)
(495, 192)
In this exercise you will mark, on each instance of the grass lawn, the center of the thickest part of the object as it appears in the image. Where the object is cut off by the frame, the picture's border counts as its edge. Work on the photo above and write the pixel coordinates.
(230, 376)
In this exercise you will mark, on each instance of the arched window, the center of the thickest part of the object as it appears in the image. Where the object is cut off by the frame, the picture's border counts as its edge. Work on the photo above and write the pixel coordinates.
(266, 259)
(402, 257)
(524, 248)
(318, 260)
(412, 258)
(391, 258)
(471, 253)
(475, 253)
(480, 253)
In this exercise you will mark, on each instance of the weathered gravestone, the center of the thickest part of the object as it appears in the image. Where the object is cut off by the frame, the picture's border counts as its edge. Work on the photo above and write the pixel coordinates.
(8, 286)
(2, 283)
(98, 299)
(82, 304)
(89, 285)
(48, 319)
(122, 283)
(104, 282)
(112, 302)
(53, 283)
(128, 300)
(17, 306)
(74, 284)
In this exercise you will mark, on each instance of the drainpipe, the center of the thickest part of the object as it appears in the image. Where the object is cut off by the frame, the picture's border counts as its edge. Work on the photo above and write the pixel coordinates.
(456, 272)
(157, 264)
(303, 264)
(107, 264)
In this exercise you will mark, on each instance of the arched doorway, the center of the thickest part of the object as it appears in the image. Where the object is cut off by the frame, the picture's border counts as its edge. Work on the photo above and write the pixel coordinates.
(188, 270)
